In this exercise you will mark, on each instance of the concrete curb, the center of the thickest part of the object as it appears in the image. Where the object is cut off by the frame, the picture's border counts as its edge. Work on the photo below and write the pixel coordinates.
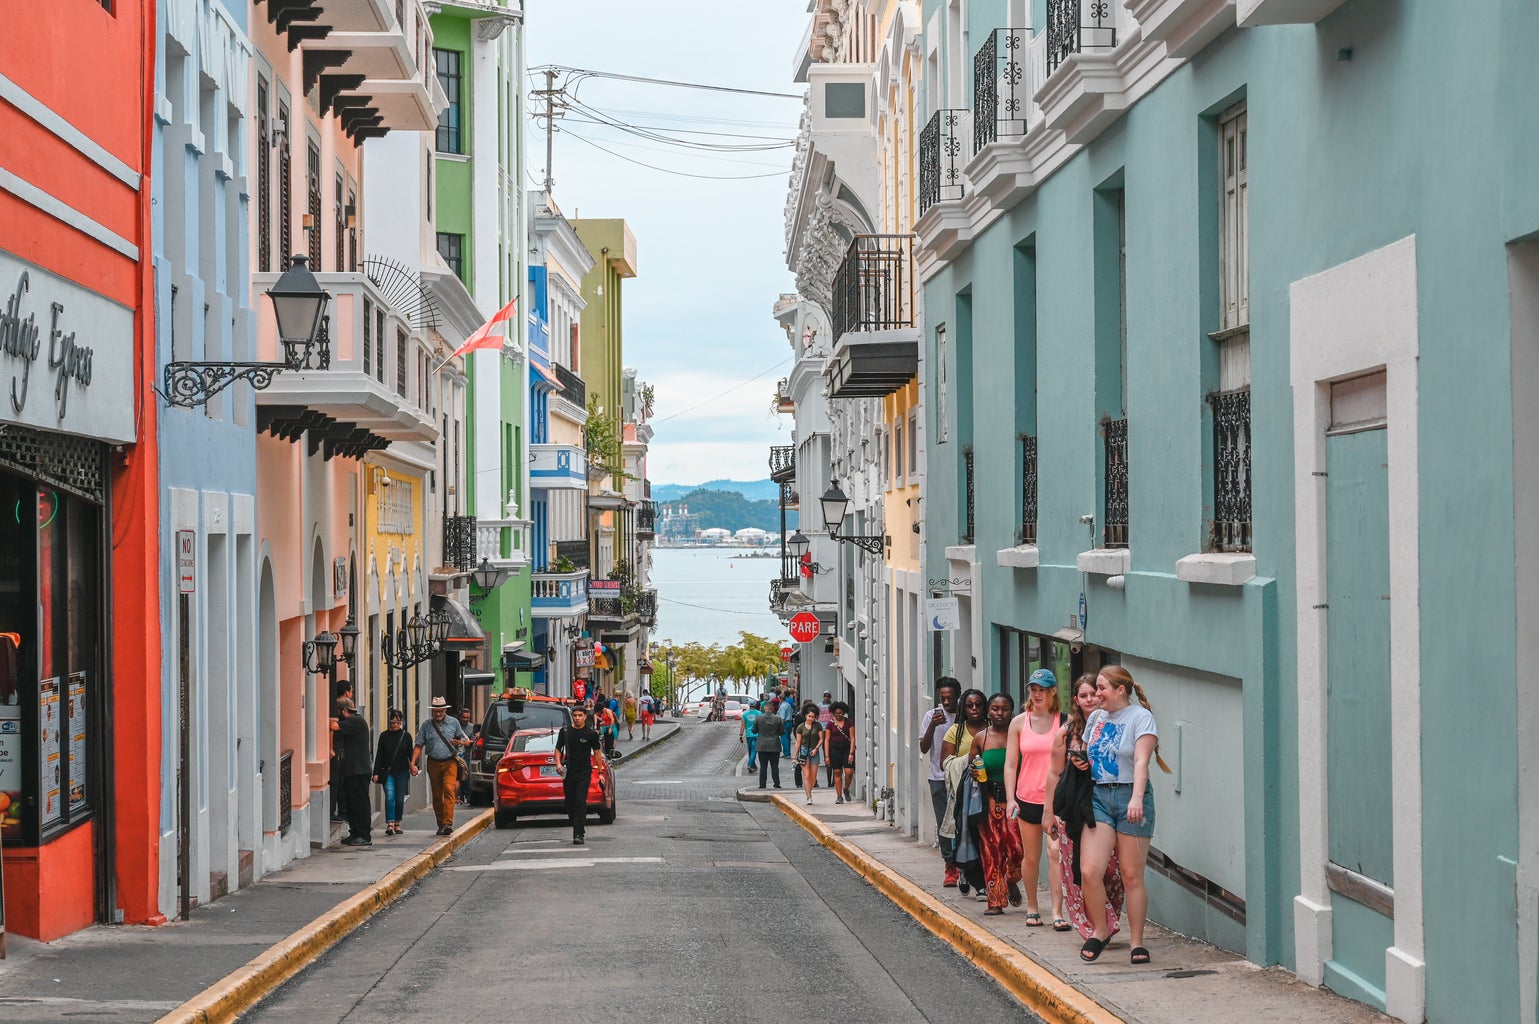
(650, 745)
(243, 988)
(1040, 991)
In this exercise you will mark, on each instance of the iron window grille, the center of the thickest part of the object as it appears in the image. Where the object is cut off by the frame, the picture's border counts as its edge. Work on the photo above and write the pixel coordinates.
(352, 235)
(1028, 489)
(1231, 529)
(1115, 519)
(395, 507)
(940, 159)
(572, 387)
(460, 542)
(873, 286)
(967, 489)
(264, 200)
(341, 228)
(447, 63)
(1073, 25)
(999, 86)
(379, 344)
(400, 362)
(313, 191)
(285, 191)
(285, 791)
(368, 338)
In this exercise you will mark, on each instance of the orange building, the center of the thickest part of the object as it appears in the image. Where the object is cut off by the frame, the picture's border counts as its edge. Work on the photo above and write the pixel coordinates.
(80, 786)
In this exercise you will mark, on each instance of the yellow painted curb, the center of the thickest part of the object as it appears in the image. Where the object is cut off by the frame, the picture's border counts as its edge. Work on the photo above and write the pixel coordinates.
(243, 988)
(1038, 989)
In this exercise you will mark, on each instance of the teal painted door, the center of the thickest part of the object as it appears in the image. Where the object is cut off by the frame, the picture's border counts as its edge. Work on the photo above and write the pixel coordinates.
(1358, 784)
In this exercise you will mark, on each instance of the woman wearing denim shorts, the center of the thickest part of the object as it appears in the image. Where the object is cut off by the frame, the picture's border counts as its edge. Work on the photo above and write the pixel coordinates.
(1120, 738)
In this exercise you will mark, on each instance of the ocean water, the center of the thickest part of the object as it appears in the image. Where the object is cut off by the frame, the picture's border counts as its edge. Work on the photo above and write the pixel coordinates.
(709, 595)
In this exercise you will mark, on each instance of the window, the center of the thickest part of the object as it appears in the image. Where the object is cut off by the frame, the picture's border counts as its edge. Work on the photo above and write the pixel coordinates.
(1234, 221)
(1230, 403)
(452, 248)
(940, 384)
(913, 447)
(264, 183)
(368, 338)
(285, 191)
(313, 192)
(395, 505)
(447, 63)
(400, 362)
(897, 454)
(341, 227)
(352, 231)
(379, 344)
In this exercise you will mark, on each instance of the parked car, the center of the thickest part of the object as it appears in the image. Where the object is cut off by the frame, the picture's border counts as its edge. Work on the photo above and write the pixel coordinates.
(735, 709)
(528, 781)
(516, 710)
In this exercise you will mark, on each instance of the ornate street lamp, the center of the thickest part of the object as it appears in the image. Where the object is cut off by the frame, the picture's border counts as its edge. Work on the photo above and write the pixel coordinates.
(798, 544)
(488, 576)
(319, 655)
(834, 505)
(348, 635)
(299, 308)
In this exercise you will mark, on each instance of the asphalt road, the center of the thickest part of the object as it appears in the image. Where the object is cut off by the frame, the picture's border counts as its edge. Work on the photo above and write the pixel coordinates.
(692, 907)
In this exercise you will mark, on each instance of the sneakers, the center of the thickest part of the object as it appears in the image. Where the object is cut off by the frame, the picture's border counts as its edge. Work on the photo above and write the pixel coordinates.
(579, 841)
(446, 830)
(839, 799)
(357, 841)
(962, 885)
(953, 873)
(809, 801)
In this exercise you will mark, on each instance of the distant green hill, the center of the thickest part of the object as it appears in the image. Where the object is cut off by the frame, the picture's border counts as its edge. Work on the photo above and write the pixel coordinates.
(729, 510)
(753, 490)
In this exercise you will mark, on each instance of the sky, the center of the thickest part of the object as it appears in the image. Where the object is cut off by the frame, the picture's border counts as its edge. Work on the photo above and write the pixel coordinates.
(710, 253)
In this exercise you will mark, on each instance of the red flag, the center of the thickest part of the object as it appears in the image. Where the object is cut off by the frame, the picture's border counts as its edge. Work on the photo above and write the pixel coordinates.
(483, 337)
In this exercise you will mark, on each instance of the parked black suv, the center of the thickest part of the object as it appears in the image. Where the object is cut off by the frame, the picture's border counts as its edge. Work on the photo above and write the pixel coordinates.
(514, 710)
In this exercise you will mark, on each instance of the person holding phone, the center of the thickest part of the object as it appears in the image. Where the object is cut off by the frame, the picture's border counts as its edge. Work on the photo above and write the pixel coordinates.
(1070, 784)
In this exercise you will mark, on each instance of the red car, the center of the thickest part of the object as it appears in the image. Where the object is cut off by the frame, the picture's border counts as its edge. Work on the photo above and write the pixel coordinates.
(528, 782)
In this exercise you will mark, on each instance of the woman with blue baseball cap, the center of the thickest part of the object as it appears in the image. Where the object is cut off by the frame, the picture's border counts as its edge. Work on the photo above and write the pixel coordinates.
(1036, 743)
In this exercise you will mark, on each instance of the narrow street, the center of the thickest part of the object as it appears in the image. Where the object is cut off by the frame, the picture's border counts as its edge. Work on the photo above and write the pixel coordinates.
(691, 907)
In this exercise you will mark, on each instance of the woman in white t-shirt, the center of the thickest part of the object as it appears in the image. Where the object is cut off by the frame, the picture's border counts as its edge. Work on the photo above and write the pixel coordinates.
(1120, 738)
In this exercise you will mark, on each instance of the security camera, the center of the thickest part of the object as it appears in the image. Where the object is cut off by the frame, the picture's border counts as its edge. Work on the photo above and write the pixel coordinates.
(1076, 648)
(384, 481)
(1088, 518)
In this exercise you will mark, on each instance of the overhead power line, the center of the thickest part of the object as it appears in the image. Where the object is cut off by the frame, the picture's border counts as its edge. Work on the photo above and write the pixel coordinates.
(670, 170)
(589, 73)
(724, 394)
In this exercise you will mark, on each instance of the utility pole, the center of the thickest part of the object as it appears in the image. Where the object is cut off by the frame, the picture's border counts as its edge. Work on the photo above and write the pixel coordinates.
(550, 94)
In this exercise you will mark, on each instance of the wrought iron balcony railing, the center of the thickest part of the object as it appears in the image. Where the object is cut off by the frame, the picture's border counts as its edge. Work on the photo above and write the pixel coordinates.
(574, 551)
(788, 497)
(941, 156)
(646, 517)
(1115, 521)
(1076, 25)
(460, 542)
(967, 490)
(572, 387)
(1001, 91)
(1028, 489)
(1231, 529)
(782, 462)
(646, 607)
(874, 286)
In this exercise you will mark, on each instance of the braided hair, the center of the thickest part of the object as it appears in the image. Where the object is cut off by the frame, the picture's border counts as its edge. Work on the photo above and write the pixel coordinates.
(1123, 680)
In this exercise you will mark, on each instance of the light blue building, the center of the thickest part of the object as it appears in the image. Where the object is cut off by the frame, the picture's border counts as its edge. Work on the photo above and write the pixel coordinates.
(207, 452)
(1264, 444)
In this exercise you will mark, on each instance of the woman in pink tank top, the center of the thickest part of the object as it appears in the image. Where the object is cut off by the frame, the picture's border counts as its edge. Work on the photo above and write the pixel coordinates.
(1036, 738)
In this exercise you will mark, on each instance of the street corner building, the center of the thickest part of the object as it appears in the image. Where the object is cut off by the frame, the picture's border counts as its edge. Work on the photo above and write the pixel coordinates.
(80, 780)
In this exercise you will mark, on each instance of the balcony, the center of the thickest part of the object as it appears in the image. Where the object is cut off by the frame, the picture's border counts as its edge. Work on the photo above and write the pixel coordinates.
(783, 402)
(1115, 521)
(782, 463)
(1001, 87)
(942, 152)
(646, 608)
(558, 467)
(559, 595)
(612, 607)
(968, 492)
(1086, 82)
(1186, 26)
(646, 518)
(460, 542)
(502, 542)
(572, 387)
(876, 346)
(364, 398)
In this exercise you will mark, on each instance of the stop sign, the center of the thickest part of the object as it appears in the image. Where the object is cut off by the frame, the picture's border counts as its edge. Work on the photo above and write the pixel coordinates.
(579, 688)
(785, 653)
(805, 627)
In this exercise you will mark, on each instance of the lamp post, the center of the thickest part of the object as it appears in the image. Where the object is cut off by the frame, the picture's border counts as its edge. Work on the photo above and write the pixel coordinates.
(299, 310)
(835, 503)
(319, 655)
(488, 577)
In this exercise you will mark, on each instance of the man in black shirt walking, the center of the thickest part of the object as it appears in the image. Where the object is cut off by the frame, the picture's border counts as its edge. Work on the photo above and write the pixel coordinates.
(356, 759)
(575, 747)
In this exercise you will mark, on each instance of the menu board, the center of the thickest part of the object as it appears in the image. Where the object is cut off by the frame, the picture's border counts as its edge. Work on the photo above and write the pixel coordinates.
(10, 771)
(76, 720)
(49, 751)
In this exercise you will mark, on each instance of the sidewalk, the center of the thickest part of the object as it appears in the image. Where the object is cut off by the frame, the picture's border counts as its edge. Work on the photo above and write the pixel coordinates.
(1187, 981)
(235, 950)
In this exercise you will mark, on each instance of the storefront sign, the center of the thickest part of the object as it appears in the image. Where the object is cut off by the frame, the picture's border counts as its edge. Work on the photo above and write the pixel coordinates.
(943, 613)
(56, 339)
(584, 657)
(10, 770)
(75, 719)
(604, 586)
(50, 750)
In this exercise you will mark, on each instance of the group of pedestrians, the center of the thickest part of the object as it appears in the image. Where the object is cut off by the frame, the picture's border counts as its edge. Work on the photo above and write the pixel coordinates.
(823, 736)
(1005, 786)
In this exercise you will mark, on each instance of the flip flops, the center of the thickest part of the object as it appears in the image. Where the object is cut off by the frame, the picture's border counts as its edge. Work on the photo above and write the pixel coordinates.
(1140, 955)
(1033, 919)
(1060, 925)
(1090, 952)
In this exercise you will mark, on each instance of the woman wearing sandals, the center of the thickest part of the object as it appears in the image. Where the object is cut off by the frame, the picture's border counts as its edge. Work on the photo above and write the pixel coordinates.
(841, 750)
(1036, 744)
(972, 719)
(1071, 787)
(1120, 738)
(999, 841)
(811, 747)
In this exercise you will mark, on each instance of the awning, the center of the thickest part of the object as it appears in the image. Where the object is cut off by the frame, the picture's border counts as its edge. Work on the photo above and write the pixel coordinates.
(522, 661)
(544, 374)
(465, 633)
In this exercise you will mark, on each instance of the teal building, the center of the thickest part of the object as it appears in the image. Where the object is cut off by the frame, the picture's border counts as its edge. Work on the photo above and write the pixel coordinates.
(1261, 443)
